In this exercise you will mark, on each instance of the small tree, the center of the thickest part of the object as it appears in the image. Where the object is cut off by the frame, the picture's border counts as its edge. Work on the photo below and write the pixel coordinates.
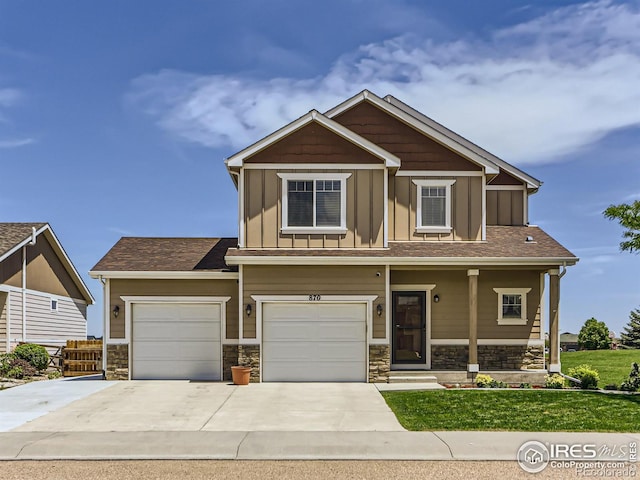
(630, 336)
(629, 217)
(594, 335)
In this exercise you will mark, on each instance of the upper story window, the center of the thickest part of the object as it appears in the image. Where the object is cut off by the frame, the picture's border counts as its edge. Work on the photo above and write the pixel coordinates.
(54, 304)
(314, 202)
(433, 206)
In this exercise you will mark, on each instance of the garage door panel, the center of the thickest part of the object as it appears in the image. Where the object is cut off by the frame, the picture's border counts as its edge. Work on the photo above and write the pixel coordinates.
(314, 342)
(176, 341)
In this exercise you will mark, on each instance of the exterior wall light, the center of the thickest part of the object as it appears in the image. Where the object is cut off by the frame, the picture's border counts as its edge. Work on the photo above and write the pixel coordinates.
(436, 298)
(379, 309)
(116, 311)
(248, 309)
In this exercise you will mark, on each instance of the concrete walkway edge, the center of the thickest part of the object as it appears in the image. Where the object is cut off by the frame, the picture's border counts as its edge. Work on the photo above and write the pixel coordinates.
(287, 445)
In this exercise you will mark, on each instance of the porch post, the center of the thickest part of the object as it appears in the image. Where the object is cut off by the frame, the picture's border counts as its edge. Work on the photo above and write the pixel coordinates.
(473, 365)
(554, 320)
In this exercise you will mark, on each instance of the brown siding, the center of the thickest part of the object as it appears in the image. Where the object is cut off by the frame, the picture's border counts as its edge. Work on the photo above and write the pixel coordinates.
(322, 280)
(263, 212)
(450, 316)
(466, 209)
(503, 178)
(313, 143)
(45, 272)
(173, 288)
(416, 150)
(505, 207)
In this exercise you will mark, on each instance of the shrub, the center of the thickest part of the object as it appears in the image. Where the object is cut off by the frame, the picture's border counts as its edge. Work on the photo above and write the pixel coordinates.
(13, 367)
(484, 381)
(555, 381)
(498, 384)
(632, 384)
(525, 385)
(588, 377)
(36, 355)
(611, 386)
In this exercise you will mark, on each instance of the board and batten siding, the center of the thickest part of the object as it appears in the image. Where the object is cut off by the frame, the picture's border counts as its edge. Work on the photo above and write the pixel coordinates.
(172, 288)
(364, 215)
(505, 207)
(307, 280)
(450, 316)
(466, 209)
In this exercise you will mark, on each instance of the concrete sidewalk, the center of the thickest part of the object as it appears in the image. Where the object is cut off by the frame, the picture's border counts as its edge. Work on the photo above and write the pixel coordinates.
(291, 445)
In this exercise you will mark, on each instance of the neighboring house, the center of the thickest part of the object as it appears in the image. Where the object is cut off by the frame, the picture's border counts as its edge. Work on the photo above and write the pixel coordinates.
(568, 341)
(42, 297)
(371, 239)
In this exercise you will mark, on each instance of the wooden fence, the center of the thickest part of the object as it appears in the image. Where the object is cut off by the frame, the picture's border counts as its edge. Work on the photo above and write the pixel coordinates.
(82, 357)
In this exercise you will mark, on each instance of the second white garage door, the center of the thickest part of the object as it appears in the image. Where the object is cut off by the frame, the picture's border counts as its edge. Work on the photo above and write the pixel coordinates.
(314, 342)
(176, 341)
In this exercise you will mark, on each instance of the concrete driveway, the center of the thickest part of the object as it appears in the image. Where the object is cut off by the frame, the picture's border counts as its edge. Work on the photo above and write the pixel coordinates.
(138, 406)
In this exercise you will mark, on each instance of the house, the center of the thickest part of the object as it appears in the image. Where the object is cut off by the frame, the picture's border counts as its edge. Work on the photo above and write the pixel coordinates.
(371, 239)
(42, 297)
(569, 342)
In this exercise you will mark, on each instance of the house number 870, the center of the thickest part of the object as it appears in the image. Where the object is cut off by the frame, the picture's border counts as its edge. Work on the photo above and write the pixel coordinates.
(314, 298)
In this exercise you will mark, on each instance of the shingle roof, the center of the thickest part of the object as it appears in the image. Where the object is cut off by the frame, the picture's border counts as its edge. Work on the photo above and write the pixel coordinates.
(136, 254)
(11, 234)
(502, 242)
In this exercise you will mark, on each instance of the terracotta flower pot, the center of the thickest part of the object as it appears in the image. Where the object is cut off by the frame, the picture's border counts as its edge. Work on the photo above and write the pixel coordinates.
(240, 375)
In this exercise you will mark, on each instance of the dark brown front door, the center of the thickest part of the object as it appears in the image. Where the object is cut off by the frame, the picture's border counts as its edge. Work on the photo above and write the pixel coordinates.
(409, 327)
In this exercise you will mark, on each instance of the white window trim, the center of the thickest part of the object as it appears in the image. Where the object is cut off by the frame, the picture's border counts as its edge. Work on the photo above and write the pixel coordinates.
(513, 291)
(433, 228)
(57, 300)
(313, 176)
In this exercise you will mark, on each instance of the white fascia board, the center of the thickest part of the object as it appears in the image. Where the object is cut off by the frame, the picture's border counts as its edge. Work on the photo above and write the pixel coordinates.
(398, 261)
(390, 160)
(166, 275)
(532, 183)
(445, 138)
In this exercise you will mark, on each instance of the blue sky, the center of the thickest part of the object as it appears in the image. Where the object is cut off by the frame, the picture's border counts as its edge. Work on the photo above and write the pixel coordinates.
(115, 117)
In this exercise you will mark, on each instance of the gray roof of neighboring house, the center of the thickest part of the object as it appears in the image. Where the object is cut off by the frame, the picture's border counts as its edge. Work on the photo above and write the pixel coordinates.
(568, 338)
(11, 234)
(140, 254)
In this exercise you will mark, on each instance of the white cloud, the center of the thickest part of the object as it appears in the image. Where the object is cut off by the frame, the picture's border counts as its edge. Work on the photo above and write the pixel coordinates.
(15, 143)
(531, 93)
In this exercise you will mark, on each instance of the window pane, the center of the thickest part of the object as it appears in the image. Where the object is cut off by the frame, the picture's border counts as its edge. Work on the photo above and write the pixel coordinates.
(434, 200)
(511, 306)
(328, 209)
(300, 203)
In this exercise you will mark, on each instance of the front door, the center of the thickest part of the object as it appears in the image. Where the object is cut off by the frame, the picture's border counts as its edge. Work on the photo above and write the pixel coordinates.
(409, 328)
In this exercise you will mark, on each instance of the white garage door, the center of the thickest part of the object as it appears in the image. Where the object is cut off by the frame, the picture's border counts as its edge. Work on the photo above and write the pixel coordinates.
(176, 341)
(314, 342)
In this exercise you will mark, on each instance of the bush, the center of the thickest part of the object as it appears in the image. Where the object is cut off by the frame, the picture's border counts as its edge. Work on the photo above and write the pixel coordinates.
(554, 381)
(611, 386)
(483, 381)
(498, 384)
(36, 355)
(525, 385)
(588, 377)
(632, 384)
(13, 367)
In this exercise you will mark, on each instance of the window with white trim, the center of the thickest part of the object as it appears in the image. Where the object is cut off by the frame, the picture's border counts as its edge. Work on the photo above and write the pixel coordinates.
(54, 304)
(433, 206)
(314, 203)
(512, 305)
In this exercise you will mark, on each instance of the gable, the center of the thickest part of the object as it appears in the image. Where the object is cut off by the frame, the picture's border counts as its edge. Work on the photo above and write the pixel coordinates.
(503, 178)
(416, 150)
(313, 143)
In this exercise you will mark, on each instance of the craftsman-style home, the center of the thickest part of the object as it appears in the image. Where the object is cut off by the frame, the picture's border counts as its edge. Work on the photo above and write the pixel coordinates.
(371, 240)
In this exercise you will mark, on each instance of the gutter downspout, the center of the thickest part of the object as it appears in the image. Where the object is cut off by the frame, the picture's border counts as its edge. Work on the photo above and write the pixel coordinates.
(105, 319)
(32, 242)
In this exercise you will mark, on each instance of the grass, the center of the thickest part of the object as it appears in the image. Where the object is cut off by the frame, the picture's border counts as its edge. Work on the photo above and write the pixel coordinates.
(613, 366)
(516, 410)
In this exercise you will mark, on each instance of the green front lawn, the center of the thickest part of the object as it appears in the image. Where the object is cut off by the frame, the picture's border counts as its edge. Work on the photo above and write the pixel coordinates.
(613, 366)
(533, 410)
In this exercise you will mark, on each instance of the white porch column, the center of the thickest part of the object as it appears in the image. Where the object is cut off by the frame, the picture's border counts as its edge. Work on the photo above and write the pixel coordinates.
(554, 320)
(473, 365)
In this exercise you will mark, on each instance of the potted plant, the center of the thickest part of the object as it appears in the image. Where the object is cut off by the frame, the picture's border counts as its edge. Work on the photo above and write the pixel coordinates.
(240, 375)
